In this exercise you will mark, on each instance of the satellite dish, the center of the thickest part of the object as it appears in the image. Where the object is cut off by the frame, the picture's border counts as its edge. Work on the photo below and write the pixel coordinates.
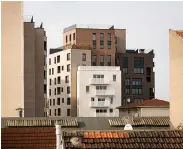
(128, 127)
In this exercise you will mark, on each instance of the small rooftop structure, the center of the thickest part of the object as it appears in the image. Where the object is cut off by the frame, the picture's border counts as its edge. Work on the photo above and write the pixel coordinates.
(151, 51)
(52, 51)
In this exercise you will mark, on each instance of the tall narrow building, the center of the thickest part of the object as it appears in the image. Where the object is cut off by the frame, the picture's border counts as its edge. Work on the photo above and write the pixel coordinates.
(176, 77)
(35, 50)
(12, 58)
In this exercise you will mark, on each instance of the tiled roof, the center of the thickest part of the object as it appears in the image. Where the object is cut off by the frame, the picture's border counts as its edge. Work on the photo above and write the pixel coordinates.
(124, 140)
(146, 103)
(28, 138)
(180, 33)
(146, 121)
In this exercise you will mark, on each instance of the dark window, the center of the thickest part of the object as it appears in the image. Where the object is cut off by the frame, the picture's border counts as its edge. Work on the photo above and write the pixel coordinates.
(55, 60)
(62, 100)
(92, 99)
(101, 60)
(137, 91)
(74, 36)
(58, 80)
(50, 112)
(109, 60)
(58, 101)
(111, 100)
(53, 102)
(70, 37)
(68, 68)
(111, 110)
(58, 59)
(138, 65)
(117, 61)
(45, 45)
(50, 92)
(66, 39)
(66, 79)
(101, 40)
(45, 88)
(58, 90)
(68, 112)
(127, 82)
(94, 60)
(148, 70)
(83, 57)
(55, 112)
(109, 41)
(127, 91)
(68, 90)
(137, 82)
(49, 61)
(55, 91)
(68, 56)
(125, 70)
(62, 68)
(68, 101)
(59, 112)
(148, 79)
(50, 102)
(114, 77)
(50, 81)
(44, 74)
(52, 71)
(55, 81)
(94, 41)
(125, 65)
(87, 89)
(62, 89)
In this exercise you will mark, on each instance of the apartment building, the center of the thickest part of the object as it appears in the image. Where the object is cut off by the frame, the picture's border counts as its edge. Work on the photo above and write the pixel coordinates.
(176, 77)
(35, 69)
(98, 91)
(62, 80)
(104, 42)
(12, 57)
(138, 78)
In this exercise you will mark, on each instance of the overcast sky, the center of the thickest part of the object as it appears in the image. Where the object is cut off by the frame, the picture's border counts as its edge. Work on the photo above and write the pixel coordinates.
(147, 25)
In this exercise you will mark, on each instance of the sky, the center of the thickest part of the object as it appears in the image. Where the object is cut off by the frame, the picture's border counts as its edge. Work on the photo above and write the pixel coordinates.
(147, 26)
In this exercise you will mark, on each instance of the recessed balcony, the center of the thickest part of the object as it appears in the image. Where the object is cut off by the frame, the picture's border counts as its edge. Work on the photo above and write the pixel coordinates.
(99, 81)
(100, 104)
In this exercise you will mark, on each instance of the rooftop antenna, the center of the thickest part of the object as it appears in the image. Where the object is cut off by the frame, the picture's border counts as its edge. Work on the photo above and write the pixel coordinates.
(41, 26)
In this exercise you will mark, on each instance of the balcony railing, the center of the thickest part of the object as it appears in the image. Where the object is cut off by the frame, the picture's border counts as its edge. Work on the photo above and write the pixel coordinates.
(104, 92)
(97, 81)
(99, 104)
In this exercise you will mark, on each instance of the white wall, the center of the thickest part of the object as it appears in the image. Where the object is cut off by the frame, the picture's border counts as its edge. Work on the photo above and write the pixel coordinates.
(84, 76)
(155, 112)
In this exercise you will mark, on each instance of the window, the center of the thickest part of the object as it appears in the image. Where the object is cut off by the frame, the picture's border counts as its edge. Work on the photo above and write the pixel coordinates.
(66, 39)
(62, 89)
(45, 45)
(45, 90)
(55, 81)
(50, 112)
(127, 91)
(55, 91)
(94, 41)
(49, 61)
(111, 100)
(50, 92)
(58, 101)
(50, 81)
(68, 67)
(66, 79)
(58, 90)
(117, 61)
(138, 65)
(101, 110)
(68, 90)
(87, 89)
(70, 37)
(92, 99)
(52, 71)
(74, 36)
(94, 60)
(50, 102)
(53, 102)
(101, 87)
(101, 60)
(136, 91)
(109, 60)
(44, 74)
(68, 56)
(127, 82)
(101, 40)
(55, 60)
(125, 65)
(55, 113)
(68, 101)
(62, 68)
(101, 99)
(98, 76)
(125, 70)
(58, 59)
(111, 110)
(83, 57)
(114, 77)
(62, 100)
(109, 41)
(137, 86)
(68, 112)
(137, 82)
(59, 113)
(58, 80)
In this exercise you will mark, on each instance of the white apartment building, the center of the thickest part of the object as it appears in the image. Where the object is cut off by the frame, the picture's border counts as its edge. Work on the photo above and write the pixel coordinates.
(62, 72)
(98, 91)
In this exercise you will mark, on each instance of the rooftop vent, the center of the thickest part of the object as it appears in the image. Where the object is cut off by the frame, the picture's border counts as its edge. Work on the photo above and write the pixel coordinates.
(141, 50)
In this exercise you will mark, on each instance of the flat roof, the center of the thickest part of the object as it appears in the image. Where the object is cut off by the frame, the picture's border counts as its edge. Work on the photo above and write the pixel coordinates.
(99, 68)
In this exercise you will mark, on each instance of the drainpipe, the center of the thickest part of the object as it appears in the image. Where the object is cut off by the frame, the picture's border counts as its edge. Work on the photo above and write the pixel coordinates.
(58, 136)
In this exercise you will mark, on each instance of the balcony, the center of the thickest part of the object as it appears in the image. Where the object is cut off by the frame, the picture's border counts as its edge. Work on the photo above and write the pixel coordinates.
(99, 104)
(99, 81)
(104, 92)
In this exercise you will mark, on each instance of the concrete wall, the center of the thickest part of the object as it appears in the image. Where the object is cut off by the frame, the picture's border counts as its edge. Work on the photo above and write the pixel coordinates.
(12, 58)
(84, 77)
(121, 40)
(176, 78)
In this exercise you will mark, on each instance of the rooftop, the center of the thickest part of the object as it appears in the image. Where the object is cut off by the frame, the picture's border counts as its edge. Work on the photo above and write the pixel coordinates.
(52, 51)
(180, 33)
(147, 103)
(98, 68)
(150, 51)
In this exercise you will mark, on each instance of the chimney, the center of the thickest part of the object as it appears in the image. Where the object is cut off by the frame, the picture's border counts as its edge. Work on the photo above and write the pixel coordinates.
(58, 136)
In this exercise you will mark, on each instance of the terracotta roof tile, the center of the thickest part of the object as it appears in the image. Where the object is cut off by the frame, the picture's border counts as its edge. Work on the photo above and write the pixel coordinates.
(180, 33)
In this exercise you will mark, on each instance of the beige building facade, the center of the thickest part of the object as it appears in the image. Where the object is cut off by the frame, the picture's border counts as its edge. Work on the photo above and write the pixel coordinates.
(12, 58)
(62, 80)
(176, 77)
(35, 70)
